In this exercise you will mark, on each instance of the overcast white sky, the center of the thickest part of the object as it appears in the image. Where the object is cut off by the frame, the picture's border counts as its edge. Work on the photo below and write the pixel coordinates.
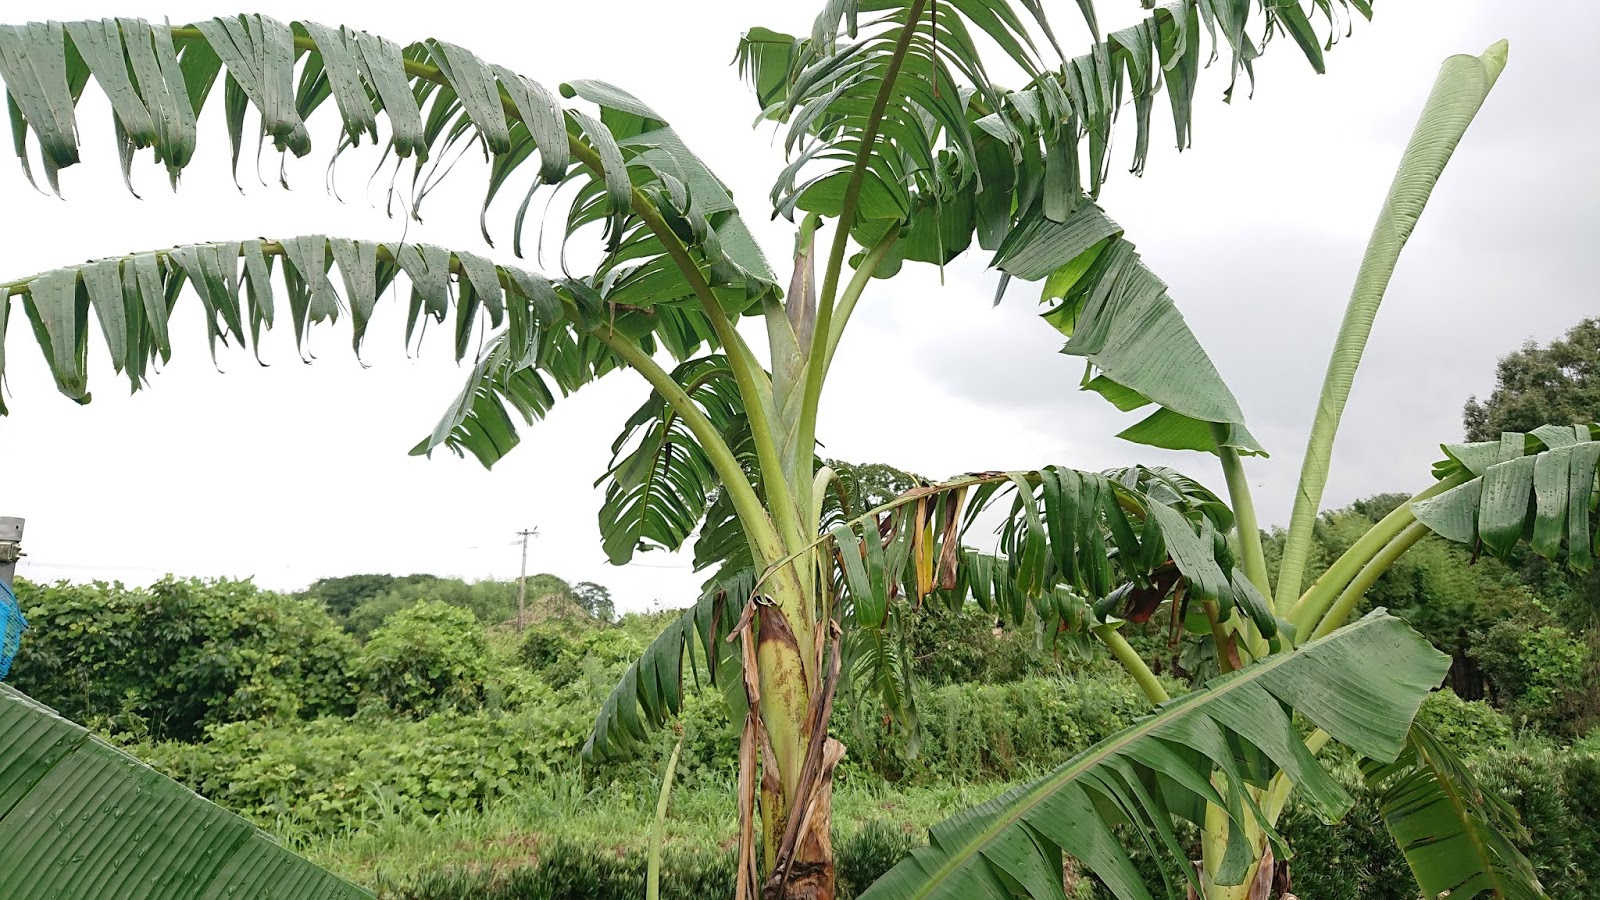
(294, 472)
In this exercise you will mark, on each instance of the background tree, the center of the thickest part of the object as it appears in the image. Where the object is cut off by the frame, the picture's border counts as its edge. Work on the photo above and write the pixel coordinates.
(343, 594)
(1538, 385)
(595, 600)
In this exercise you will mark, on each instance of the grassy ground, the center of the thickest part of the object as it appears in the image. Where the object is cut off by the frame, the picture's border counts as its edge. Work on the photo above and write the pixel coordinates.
(392, 850)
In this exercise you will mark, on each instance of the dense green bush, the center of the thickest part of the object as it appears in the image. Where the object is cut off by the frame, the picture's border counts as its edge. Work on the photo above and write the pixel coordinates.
(1537, 669)
(954, 647)
(426, 657)
(871, 851)
(543, 646)
(999, 731)
(1469, 726)
(562, 657)
(343, 594)
(169, 660)
(331, 775)
(1555, 792)
(367, 601)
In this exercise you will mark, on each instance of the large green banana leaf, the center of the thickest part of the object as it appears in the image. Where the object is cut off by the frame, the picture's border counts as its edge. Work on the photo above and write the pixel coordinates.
(1456, 837)
(81, 819)
(1540, 487)
(1361, 684)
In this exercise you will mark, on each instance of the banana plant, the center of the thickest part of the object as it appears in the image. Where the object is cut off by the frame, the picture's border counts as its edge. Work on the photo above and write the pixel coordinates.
(901, 148)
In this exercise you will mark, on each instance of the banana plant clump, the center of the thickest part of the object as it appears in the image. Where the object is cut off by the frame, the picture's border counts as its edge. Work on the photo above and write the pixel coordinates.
(900, 148)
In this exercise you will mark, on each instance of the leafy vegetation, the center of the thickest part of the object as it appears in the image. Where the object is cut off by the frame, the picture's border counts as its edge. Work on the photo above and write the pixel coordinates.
(901, 149)
(180, 656)
(483, 796)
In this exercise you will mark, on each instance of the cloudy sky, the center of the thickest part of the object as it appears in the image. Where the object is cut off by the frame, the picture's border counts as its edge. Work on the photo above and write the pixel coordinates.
(293, 472)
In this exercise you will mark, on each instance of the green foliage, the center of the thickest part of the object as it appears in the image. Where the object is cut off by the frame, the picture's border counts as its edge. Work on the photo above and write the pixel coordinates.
(488, 601)
(169, 660)
(543, 647)
(871, 851)
(568, 870)
(342, 595)
(595, 600)
(367, 601)
(1556, 792)
(1539, 671)
(333, 775)
(562, 660)
(871, 485)
(1465, 724)
(1556, 795)
(950, 647)
(564, 869)
(68, 792)
(1504, 641)
(985, 732)
(426, 657)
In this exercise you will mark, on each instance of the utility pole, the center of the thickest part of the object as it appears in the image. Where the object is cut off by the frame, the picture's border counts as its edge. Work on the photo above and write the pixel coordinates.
(12, 624)
(10, 548)
(522, 580)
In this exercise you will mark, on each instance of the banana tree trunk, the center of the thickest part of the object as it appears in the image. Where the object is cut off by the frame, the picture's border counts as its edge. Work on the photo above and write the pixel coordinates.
(798, 758)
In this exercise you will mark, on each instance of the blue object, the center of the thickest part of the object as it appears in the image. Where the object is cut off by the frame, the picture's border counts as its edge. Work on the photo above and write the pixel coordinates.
(12, 625)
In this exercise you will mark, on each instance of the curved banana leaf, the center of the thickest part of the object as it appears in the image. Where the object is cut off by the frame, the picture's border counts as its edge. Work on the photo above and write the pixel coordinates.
(546, 328)
(1456, 837)
(80, 818)
(661, 484)
(1118, 316)
(1161, 768)
(823, 86)
(1540, 487)
(632, 172)
(1462, 86)
(651, 690)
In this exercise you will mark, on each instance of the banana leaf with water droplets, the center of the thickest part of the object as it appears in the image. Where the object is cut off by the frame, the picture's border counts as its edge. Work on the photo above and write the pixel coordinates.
(1539, 487)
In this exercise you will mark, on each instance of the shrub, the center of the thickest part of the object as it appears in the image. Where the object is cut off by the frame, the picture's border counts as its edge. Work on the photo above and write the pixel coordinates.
(872, 851)
(1467, 726)
(333, 775)
(490, 602)
(169, 660)
(1556, 795)
(429, 656)
(598, 656)
(951, 647)
(1003, 731)
(543, 647)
